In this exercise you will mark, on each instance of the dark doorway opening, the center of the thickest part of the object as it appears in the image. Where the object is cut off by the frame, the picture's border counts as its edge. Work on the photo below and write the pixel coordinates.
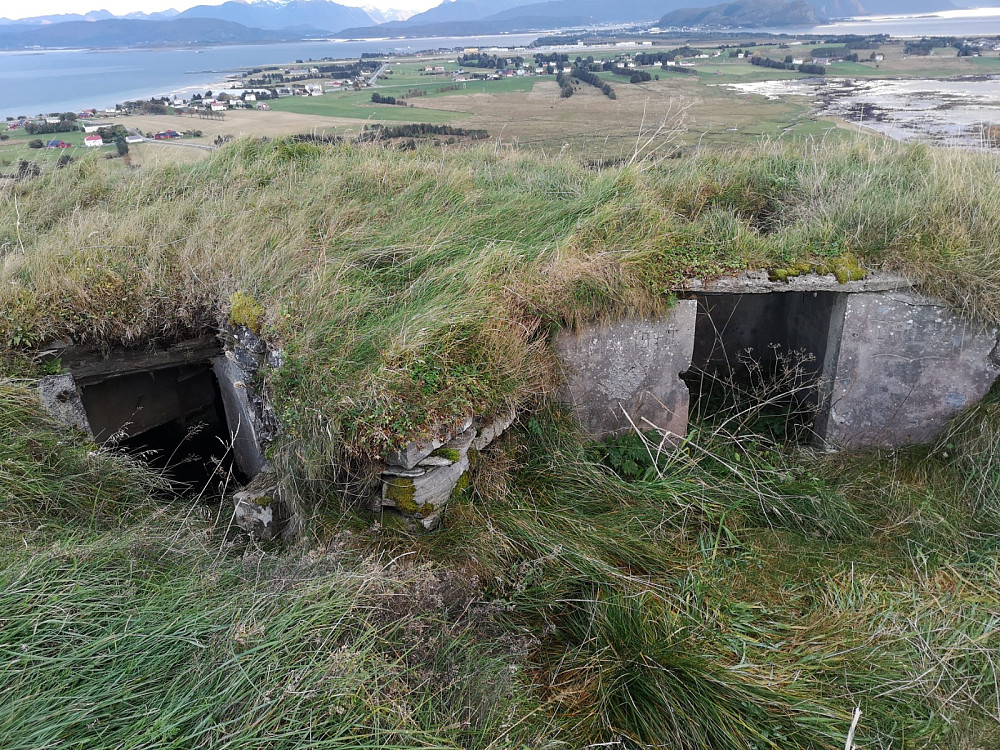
(758, 361)
(173, 418)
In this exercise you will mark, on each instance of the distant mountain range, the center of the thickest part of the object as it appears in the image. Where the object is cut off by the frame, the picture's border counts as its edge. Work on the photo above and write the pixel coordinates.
(121, 32)
(243, 21)
(744, 13)
(301, 15)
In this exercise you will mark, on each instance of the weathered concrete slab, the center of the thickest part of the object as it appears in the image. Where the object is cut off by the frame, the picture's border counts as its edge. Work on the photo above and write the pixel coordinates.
(758, 282)
(630, 367)
(902, 367)
(260, 508)
(241, 416)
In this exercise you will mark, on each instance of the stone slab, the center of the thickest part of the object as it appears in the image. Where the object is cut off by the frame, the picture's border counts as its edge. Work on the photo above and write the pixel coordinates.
(486, 433)
(61, 398)
(410, 455)
(241, 416)
(905, 365)
(630, 367)
(260, 508)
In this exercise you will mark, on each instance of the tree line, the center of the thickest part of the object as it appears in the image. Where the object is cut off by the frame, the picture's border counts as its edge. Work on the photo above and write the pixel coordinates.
(594, 80)
(42, 128)
(634, 76)
(477, 60)
(808, 68)
(377, 98)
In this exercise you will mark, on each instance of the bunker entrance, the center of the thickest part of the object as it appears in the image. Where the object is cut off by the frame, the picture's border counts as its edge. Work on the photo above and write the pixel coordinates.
(758, 360)
(173, 418)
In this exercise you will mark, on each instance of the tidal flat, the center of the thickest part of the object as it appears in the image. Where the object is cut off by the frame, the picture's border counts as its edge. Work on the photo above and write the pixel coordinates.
(945, 112)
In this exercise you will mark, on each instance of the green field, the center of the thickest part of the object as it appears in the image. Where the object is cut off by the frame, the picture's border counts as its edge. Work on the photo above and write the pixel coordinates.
(16, 147)
(357, 105)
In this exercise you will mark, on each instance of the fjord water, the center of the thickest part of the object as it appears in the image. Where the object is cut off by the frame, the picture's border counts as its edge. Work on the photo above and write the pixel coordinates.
(34, 82)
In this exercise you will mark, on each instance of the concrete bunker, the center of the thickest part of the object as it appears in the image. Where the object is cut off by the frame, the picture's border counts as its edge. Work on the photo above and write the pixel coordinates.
(872, 362)
(183, 409)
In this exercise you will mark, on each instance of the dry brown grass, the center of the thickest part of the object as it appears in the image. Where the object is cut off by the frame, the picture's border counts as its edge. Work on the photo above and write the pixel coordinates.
(237, 123)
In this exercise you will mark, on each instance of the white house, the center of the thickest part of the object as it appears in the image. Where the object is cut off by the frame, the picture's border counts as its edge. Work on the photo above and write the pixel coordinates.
(91, 141)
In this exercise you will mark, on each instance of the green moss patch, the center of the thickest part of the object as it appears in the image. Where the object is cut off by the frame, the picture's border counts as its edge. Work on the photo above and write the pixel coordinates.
(400, 491)
(845, 268)
(449, 453)
(246, 311)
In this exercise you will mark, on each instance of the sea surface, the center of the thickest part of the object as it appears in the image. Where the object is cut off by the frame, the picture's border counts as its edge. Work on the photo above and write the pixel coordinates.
(47, 81)
(970, 22)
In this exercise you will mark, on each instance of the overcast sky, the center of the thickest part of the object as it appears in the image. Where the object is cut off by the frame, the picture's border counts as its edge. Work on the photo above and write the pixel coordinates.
(120, 7)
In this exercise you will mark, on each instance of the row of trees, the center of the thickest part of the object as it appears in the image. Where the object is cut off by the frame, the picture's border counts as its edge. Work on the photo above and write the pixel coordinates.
(671, 55)
(495, 62)
(808, 68)
(565, 85)
(634, 76)
(544, 58)
(594, 80)
(413, 130)
(42, 128)
(377, 98)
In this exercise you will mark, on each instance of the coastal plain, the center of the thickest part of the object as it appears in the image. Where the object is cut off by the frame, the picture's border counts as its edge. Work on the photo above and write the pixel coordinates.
(684, 110)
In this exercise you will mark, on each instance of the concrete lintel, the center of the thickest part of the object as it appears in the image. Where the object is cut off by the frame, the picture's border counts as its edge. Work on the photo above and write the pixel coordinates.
(89, 365)
(757, 282)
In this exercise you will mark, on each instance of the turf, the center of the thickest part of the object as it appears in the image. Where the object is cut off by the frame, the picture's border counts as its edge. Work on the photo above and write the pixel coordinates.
(735, 593)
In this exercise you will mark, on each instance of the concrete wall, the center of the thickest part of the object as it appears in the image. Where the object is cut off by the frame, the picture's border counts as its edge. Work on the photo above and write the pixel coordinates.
(132, 404)
(891, 367)
(241, 416)
(631, 367)
(904, 365)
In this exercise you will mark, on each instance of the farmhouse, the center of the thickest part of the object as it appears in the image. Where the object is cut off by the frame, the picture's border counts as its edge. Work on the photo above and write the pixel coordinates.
(93, 141)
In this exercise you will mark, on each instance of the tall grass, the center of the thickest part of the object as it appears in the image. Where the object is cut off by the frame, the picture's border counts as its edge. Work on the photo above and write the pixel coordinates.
(376, 267)
(153, 637)
(737, 594)
(49, 472)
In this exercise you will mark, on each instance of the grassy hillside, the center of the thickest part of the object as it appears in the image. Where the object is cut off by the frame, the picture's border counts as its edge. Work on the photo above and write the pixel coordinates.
(736, 594)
